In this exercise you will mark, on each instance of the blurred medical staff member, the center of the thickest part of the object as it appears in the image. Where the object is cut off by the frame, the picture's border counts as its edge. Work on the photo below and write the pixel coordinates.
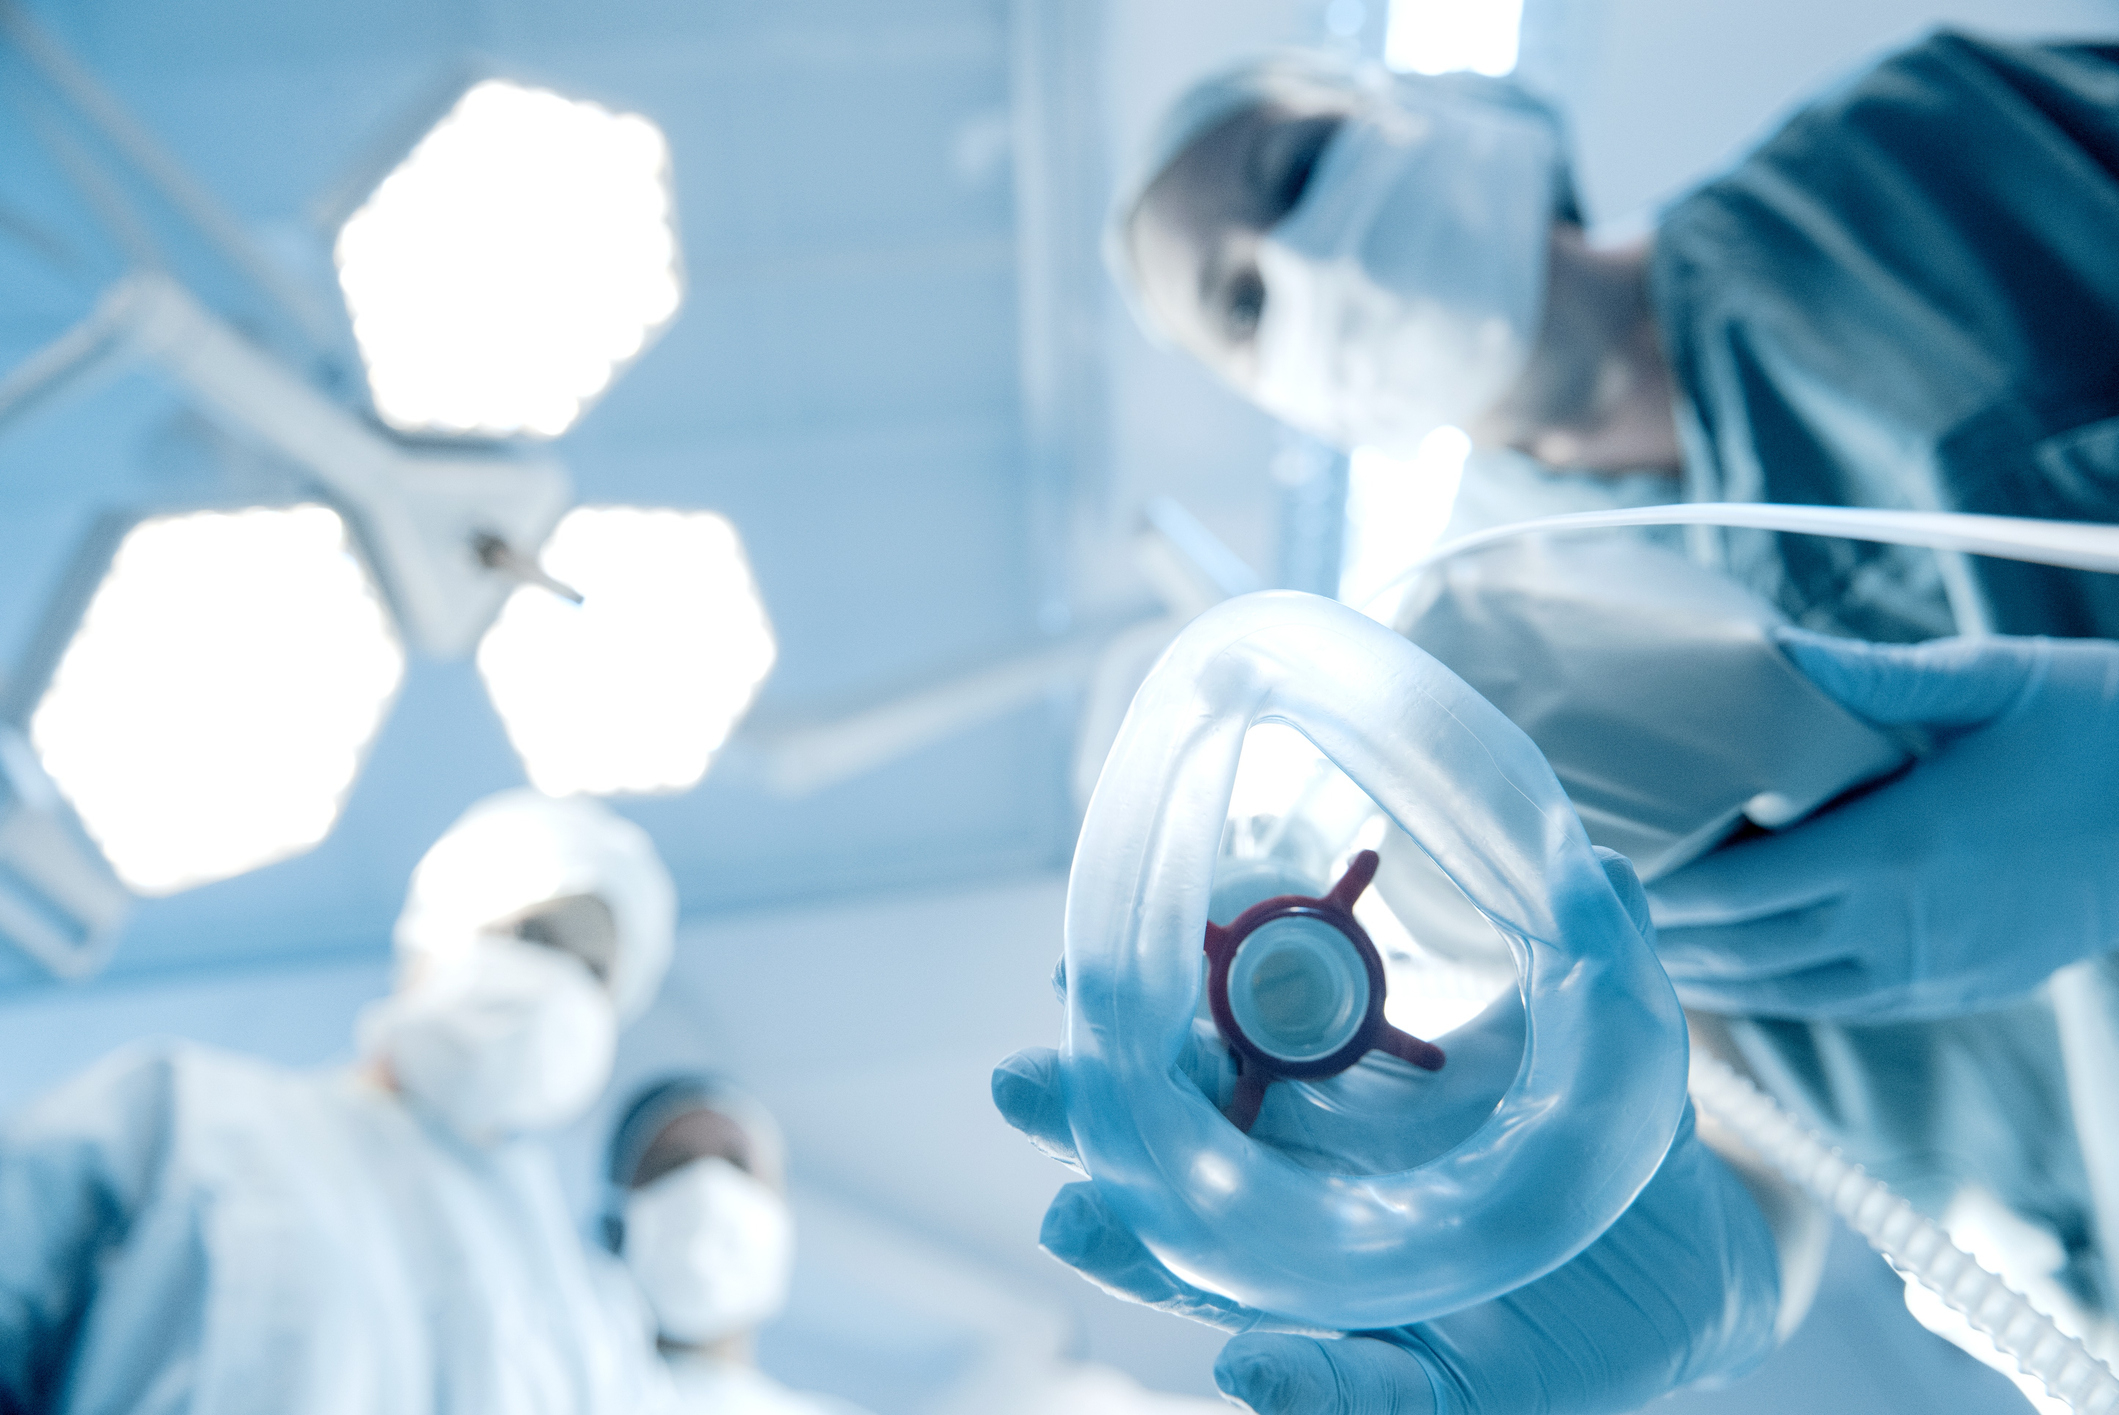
(699, 1213)
(1904, 298)
(182, 1229)
(1901, 299)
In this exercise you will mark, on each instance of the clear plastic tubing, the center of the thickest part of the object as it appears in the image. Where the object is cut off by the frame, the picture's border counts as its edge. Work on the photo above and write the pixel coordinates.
(1915, 1245)
(2074, 545)
(1601, 1086)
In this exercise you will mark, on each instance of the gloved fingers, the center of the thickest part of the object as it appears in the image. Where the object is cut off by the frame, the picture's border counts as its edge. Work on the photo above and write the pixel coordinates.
(1627, 885)
(1804, 872)
(1946, 683)
(1086, 1236)
(1770, 926)
(1300, 1375)
(1026, 1091)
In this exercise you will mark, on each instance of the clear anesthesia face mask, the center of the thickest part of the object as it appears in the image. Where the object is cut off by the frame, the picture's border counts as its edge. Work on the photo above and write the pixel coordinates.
(1296, 993)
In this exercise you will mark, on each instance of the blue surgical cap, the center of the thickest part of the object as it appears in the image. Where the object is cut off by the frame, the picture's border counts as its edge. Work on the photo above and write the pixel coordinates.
(655, 1107)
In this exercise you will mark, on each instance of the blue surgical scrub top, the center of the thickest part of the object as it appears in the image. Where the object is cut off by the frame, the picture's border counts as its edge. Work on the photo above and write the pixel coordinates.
(185, 1230)
(1909, 297)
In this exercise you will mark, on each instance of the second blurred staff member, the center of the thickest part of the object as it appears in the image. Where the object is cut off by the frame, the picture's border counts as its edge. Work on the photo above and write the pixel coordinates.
(698, 1171)
(1904, 298)
(182, 1229)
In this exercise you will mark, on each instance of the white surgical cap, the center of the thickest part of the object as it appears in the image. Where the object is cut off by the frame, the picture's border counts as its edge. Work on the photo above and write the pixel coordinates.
(521, 848)
(1299, 79)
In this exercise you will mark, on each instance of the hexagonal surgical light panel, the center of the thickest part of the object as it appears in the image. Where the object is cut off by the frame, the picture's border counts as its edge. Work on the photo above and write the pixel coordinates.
(504, 271)
(212, 709)
(635, 689)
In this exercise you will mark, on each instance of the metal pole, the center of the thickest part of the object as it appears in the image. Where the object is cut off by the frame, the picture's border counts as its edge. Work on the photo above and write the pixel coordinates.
(100, 110)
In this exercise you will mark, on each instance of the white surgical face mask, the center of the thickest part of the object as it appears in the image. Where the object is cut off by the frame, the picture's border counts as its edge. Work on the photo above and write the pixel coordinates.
(712, 1249)
(513, 1037)
(1404, 291)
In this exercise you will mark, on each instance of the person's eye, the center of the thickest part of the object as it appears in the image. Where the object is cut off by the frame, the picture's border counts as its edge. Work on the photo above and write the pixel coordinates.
(1284, 160)
(1243, 305)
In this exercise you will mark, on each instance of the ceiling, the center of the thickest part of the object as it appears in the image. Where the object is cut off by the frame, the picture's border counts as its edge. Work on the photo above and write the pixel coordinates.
(898, 370)
(843, 382)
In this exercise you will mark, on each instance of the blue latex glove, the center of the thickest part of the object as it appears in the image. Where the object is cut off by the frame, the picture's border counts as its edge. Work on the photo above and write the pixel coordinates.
(1957, 885)
(1684, 1288)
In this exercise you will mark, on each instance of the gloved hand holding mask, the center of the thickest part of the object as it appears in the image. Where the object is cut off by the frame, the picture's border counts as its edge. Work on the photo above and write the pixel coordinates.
(1683, 1288)
(1652, 685)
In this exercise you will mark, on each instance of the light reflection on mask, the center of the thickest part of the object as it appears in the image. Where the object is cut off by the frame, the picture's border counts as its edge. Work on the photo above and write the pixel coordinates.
(712, 1248)
(507, 1037)
(1404, 291)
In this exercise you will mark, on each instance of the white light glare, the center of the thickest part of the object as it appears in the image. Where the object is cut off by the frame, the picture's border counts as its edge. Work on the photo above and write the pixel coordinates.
(636, 688)
(1425, 993)
(211, 712)
(498, 277)
(1396, 509)
(1281, 774)
(1439, 36)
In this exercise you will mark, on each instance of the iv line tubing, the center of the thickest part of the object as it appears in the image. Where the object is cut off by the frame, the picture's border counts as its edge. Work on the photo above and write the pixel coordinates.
(2075, 545)
(1914, 1245)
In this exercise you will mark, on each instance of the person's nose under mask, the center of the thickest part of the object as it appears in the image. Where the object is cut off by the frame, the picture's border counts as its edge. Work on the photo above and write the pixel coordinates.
(712, 1249)
(514, 1037)
(1404, 291)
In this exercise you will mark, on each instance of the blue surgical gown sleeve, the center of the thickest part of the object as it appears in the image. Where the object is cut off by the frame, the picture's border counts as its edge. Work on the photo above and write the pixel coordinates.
(185, 1230)
(74, 1173)
(1907, 298)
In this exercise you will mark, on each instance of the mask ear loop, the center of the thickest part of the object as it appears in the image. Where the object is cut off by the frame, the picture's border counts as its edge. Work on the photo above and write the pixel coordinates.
(1256, 1066)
